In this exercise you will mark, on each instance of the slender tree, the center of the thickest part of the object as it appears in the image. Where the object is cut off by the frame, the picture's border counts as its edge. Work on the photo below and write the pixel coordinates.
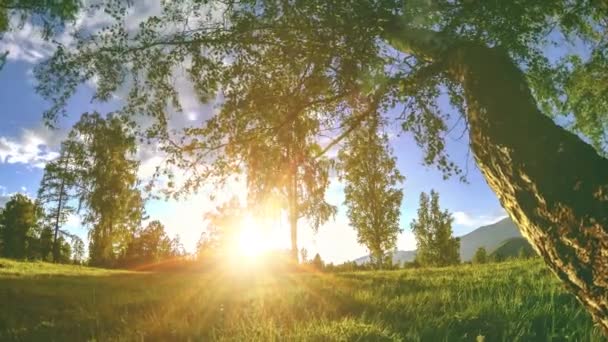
(114, 206)
(57, 189)
(304, 255)
(372, 195)
(433, 230)
(78, 250)
(489, 57)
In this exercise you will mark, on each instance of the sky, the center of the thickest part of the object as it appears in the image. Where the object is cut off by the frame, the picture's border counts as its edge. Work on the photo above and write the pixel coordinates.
(26, 145)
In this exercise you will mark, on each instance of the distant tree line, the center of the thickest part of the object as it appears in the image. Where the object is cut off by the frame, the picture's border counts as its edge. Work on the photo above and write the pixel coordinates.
(94, 176)
(24, 234)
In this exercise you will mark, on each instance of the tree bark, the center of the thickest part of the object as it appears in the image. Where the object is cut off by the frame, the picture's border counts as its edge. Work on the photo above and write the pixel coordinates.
(553, 185)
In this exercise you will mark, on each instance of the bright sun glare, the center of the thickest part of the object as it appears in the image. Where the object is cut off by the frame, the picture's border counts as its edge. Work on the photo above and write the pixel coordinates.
(252, 240)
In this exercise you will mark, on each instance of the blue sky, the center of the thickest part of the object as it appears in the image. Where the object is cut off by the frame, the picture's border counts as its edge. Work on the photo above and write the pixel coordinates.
(25, 145)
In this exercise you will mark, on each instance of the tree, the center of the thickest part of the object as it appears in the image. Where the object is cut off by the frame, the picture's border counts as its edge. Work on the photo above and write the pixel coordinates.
(497, 257)
(371, 192)
(223, 225)
(56, 190)
(304, 255)
(488, 56)
(78, 250)
(19, 222)
(65, 251)
(103, 150)
(317, 263)
(280, 158)
(433, 230)
(149, 245)
(481, 256)
(45, 245)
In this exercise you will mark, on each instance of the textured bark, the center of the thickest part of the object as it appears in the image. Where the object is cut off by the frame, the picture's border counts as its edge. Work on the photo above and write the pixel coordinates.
(552, 184)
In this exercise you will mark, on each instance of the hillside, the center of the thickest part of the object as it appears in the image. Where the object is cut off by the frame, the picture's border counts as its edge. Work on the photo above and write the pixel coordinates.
(490, 237)
(511, 248)
(398, 257)
(503, 302)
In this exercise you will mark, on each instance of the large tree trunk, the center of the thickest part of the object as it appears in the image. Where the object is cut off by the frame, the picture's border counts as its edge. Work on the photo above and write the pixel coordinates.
(552, 184)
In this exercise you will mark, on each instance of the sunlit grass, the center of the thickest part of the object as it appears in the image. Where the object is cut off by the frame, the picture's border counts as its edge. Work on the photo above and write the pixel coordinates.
(503, 302)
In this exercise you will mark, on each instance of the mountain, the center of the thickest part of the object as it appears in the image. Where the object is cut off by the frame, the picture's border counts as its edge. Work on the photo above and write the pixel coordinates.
(398, 257)
(491, 237)
(511, 248)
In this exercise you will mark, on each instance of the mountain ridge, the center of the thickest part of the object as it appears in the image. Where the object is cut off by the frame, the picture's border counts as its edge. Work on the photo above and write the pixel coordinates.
(490, 237)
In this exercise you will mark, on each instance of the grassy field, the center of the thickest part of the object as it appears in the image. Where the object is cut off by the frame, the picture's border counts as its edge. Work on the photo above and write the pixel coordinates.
(502, 302)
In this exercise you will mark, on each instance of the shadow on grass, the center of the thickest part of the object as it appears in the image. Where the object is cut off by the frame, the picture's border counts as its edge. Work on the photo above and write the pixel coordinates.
(361, 306)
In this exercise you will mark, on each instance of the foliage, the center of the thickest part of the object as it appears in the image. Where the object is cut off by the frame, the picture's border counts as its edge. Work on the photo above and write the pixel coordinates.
(433, 231)
(102, 149)
(149, 245)
(223, 226)
(276, 61)
(371, 192)
(78, 250)
(481, 256)
(19, 226)
(48, 15)
(21, 234)
(303, 255)
(317, 263)
(517, 300)
(497, 257)
(58, 187)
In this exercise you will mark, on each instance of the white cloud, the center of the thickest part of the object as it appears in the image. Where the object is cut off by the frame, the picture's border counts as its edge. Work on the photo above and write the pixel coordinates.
(25, 42)
(32, 147)
(474, 221)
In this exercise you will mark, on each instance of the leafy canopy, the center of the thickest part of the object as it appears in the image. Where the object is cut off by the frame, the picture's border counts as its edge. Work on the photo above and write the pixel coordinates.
(266, 62)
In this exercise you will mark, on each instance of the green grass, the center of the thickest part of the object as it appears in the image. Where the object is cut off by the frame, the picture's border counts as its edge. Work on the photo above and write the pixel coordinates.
(503, 302)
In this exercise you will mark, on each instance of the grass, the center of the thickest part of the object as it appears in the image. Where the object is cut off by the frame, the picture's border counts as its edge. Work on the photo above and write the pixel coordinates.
(512, 301)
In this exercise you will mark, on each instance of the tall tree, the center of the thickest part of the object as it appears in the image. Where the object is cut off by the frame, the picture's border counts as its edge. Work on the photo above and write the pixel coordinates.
(489, 56)
(433, 231)
(371, 192)
(57, 190)
(19, 223)
(104, 148)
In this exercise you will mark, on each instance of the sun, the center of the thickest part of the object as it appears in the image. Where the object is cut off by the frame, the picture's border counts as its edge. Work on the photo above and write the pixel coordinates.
(252, 240)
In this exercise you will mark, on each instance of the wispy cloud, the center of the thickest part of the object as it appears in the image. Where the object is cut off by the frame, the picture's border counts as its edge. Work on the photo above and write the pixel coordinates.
(32, 147)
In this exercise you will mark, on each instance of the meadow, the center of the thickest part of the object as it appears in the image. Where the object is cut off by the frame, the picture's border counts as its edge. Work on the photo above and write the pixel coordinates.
(510, 301)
